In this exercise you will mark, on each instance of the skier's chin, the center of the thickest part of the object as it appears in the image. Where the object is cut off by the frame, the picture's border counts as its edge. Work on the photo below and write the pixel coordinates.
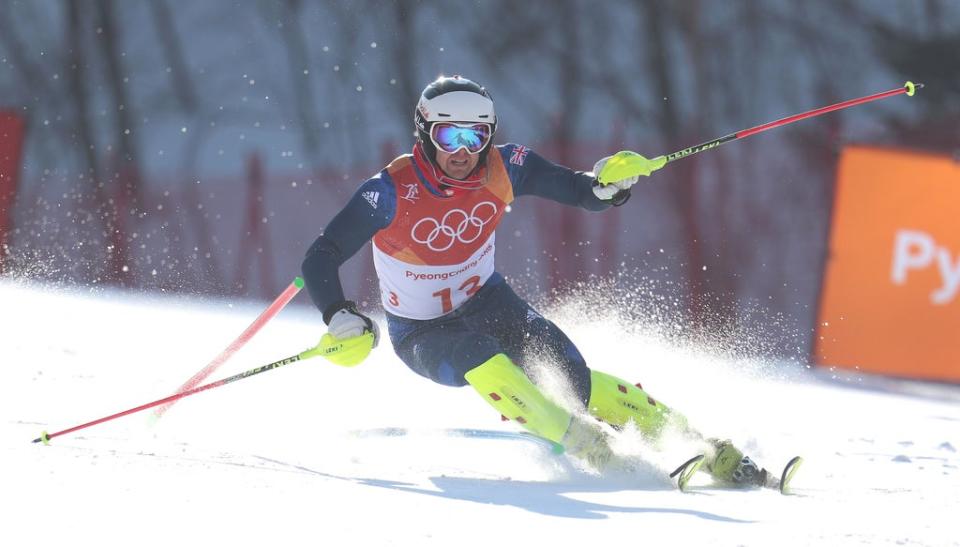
(458, 171)
(458, 174)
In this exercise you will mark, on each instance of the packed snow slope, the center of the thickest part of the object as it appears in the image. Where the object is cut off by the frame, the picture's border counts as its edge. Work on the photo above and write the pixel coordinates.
(287, 457)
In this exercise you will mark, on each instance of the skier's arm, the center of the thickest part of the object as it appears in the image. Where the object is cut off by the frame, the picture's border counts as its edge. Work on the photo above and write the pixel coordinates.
(532, 174)
(369, 210)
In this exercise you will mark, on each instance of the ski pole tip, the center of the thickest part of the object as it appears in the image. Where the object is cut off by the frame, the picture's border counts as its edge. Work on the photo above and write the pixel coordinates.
(43, 438)
(298, 282)
(912, 88)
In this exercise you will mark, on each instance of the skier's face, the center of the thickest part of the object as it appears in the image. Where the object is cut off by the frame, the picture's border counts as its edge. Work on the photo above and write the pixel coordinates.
(458, 165)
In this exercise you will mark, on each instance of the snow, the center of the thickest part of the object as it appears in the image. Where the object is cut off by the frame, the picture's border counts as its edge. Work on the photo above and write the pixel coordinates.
(274, 459)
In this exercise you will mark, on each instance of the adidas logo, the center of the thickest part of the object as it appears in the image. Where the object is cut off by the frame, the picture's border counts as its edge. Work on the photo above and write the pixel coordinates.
(372, 198)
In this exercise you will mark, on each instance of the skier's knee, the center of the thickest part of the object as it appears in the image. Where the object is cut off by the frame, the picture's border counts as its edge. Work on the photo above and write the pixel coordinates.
(449, 364)
(464, 355)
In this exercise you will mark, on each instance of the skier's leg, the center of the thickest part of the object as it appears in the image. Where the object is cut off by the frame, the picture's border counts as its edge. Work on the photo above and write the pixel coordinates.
(448, 353)
(507, 389)
(512, 394)
(529, 338)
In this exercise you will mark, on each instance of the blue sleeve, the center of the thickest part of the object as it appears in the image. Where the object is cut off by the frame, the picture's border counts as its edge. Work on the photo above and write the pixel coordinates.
(371, 209)
(533, 175)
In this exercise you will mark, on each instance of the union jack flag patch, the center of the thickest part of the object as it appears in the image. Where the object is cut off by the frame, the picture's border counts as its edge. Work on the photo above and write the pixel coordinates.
(519, 154)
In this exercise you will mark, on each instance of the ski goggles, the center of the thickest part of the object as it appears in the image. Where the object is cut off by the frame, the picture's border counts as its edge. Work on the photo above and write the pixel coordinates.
(451, 137)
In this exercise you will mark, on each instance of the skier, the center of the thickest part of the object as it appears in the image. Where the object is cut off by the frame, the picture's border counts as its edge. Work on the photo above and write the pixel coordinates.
(450, 315)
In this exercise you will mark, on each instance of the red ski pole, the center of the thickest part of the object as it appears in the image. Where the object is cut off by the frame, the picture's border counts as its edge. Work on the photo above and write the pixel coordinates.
(908, 88)
(241, 340)
(324, 349)
(626, 164)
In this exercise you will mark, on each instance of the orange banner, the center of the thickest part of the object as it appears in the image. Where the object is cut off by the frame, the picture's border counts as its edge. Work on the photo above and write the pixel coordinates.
(11, 143)
(890, 302)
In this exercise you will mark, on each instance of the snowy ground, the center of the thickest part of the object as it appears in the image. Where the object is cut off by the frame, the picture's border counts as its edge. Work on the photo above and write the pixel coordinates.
(272, 460)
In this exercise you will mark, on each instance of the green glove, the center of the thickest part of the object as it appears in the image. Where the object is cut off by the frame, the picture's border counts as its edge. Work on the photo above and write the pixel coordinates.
(350, 335)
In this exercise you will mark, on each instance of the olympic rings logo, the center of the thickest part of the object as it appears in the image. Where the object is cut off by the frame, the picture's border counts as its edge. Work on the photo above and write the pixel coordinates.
(456, 225)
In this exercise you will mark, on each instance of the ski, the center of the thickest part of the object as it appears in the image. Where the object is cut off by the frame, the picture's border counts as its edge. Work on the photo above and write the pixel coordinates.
(788, 471)
(686, 471)
(683, 473)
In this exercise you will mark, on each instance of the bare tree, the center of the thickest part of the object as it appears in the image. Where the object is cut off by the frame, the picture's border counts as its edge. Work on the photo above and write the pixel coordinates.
(298, 60)
(569, 74)
(658, 18)
(404, 54)
(184, 88)
(94, 200)
(126, 173)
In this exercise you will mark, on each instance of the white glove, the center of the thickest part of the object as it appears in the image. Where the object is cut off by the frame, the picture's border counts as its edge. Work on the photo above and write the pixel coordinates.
(610, 189)
(349, 323)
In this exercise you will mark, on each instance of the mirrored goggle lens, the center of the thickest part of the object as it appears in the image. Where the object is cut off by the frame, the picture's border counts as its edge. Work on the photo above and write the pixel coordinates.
(450, 137)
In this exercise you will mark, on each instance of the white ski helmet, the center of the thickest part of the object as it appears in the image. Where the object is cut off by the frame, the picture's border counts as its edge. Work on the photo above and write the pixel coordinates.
(453, 99)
